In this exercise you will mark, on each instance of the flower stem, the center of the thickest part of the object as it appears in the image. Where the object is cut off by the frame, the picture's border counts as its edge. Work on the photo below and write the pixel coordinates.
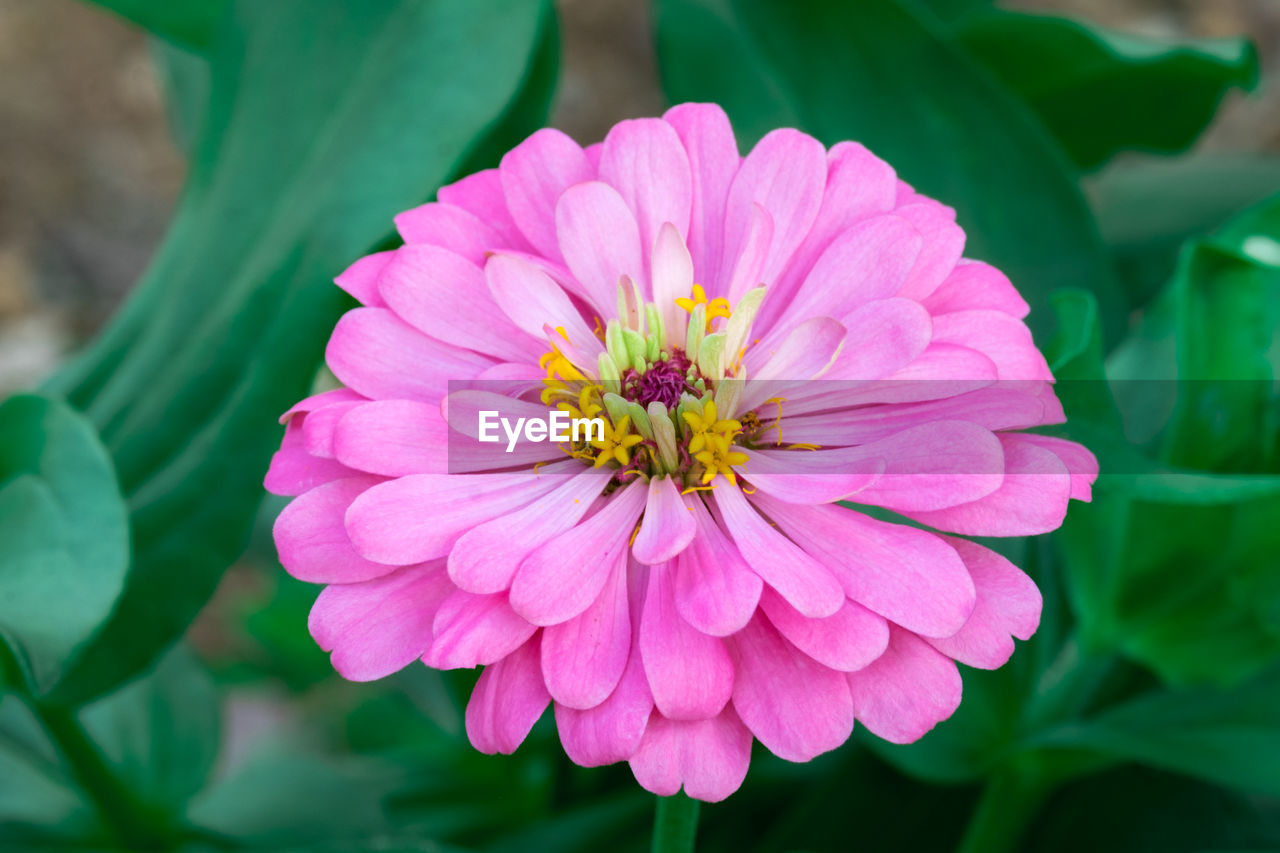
(675, 824)
(1006, 808)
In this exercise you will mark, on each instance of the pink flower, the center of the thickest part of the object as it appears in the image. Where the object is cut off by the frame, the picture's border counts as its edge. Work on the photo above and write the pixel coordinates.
(687, 581)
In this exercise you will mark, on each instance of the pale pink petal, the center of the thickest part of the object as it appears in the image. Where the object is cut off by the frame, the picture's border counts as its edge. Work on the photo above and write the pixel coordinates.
(312, 541)
(808, 477)
(849, 639)
(713, 161)
(709, 758)
(746, 271)
(611, 731)
(690, 673)
(451, 227)
(645, 162)
(533, 301)
(485, 558)
(906, 691)
(1008, 604)
(794, 705)
(806, 352)
(361, 278)
(380, 626)
(973, 285)
(667, 527)
(476, 630)
(715, 590)
(507, 700)
(583, 658)
(600, 241)
(534, 175)
(805, 583)
(909, 576)
(672, 280)
(564, 575)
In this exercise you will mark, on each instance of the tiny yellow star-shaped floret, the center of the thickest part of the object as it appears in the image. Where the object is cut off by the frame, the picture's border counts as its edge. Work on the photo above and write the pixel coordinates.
(617, 443)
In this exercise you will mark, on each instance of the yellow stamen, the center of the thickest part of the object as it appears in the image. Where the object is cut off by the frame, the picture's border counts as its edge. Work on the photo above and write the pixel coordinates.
(718, 307)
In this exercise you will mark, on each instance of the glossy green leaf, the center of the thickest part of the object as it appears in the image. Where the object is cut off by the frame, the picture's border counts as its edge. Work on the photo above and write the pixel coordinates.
(64, 537)
(188, 23)
(324, 121)
(878, 72)
(1100, 91)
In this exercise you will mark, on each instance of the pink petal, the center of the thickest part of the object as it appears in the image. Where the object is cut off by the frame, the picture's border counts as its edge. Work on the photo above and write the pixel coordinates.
(481, 195)
(1082, 464)
(672, 280)
(600, 241)
(1002, 338)
(713, 161)
(312, 541)
(561, 578)
(806, 352)
(445, 295)
(909, 576)
(380, 626)
(881, 337)
(933, 466)
(785, 174)
(645, 162)
(797, 707)
(476, 630)
(804, 582)
(973, 285)
(534, 175)
(849, 639)
(485, 558)
(450, 227)
(690, 673)
(708, 758)
(1032, 498)
(747, 269)
(419, 517)
(361, 278)
(715, 590)
(381, 356)
(533, 301)
(507, 700)
(906, 691)
(1008, 604)
(293, 470)
(318, 427)
(611, 731)
(943, 245)
(583, 658)
(667, 527)
(804, 477)
(318, 401)
(393, 438)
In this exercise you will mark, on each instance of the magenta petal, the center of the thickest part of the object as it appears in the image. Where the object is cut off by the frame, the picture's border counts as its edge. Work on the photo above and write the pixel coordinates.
(393, 438)
(482, 196)
(419, 517)
(377, 627)
(582, 659)
(450, 227)
(933, 466)
(690, 673)
(507, 700)
(906, 691)
(849, 639)
(1008, 604)
(909, 576)
(361, 278)
(644, 161)
(715, 590)
(476, 630)
(713, 161)
(293, 470)
(804, 582)
(312, 541)
(797, 707)
(973, 285)
(318, 428)
(709, 758)
(611, 731)
(667, 527)
(485, 558)
(1080, 462)
(1004, 339)
(534, 175)
(600, 241)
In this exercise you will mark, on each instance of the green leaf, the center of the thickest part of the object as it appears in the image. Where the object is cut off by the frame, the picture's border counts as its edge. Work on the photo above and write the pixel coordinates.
(160, 733)
(184, 78)
(878, 73)
(1230, 737)
(324, 121)
(64, 538)
(1100, 91)
(190, 24)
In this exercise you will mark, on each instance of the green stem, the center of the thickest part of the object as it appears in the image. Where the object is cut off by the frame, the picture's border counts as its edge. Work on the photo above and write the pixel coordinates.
(675, 824)
(1007, 806)
(135, 826)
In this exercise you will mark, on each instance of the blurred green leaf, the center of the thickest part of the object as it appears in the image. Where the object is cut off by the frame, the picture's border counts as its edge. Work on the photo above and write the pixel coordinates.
(35, 790)
(877, 72)
(324, 121)
(1231, 737)
(187, 23)
(1100, 91)
(64, 538)
(160, 733)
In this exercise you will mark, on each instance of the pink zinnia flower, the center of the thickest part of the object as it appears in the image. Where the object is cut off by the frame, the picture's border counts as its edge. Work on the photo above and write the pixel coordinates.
(687, 581)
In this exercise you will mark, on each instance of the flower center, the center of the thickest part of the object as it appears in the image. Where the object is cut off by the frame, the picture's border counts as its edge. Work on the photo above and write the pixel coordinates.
(663, 382)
